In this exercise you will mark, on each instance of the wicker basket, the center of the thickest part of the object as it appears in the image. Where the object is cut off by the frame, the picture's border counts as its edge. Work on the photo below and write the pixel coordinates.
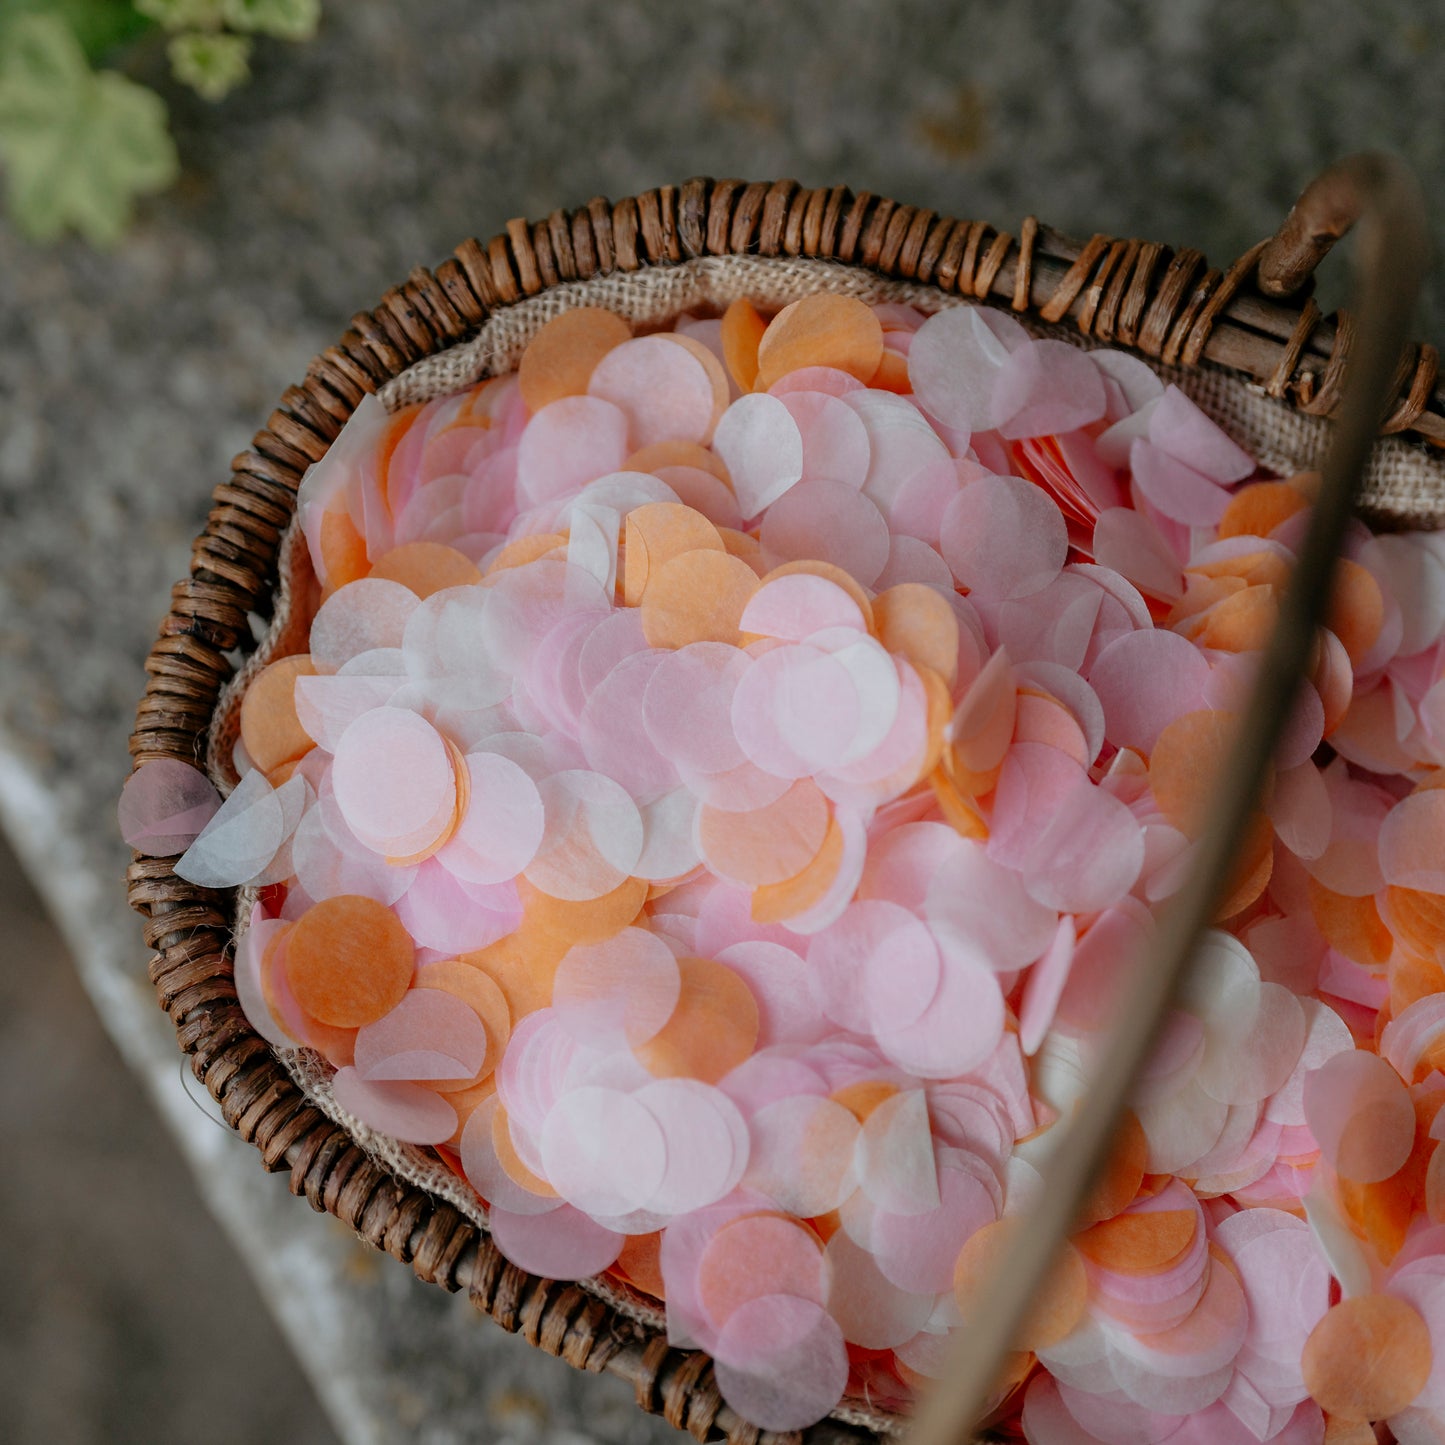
(1268, 370)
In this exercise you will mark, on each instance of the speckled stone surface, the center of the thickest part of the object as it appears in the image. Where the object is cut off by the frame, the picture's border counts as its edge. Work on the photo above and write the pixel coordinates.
(128, 380)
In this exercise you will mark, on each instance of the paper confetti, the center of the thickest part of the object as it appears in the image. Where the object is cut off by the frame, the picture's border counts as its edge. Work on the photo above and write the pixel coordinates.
(727, 788)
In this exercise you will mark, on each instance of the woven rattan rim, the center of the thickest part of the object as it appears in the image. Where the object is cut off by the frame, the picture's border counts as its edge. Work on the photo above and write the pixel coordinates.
(1165, 304)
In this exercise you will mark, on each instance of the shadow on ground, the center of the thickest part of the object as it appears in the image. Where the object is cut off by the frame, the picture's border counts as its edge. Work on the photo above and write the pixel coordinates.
(125, 1316)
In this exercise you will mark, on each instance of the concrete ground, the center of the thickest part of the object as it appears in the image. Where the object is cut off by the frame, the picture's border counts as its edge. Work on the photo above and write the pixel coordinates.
(128, 379)
(125, 1316)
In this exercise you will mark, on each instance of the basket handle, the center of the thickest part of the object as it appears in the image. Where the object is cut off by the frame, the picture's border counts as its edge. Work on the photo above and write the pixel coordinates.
(1326, 210)
(1390, 263)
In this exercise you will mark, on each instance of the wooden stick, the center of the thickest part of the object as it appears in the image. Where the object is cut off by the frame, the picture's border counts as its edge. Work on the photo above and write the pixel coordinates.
(1390, 264)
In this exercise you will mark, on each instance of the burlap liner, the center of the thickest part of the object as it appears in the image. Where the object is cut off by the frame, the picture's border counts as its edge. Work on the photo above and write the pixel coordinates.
(1404, 481)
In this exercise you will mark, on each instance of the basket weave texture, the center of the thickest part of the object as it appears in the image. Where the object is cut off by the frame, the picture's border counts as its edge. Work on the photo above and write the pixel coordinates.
(1269, 372)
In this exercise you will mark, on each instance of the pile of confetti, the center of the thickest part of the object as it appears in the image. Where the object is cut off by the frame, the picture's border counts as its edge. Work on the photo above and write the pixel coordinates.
(731, 779)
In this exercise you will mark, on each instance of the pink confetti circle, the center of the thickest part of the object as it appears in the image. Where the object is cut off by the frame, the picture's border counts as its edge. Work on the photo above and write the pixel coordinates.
(394, 781)
(619, 992)
(164, 805)
(831, 522)
(604, 1152)
(562, 1244)
(1003, 538)
(1145, 680)
(781, 1362)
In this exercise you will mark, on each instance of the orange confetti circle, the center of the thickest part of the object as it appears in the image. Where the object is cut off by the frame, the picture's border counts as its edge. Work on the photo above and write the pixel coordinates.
(1368, 1358)
(349, 961)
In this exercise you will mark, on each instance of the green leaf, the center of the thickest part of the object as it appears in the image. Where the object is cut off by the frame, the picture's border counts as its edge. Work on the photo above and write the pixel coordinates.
(285, 19)
(99, 25)
(210, 62)
(183, 14)
(77, 145)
